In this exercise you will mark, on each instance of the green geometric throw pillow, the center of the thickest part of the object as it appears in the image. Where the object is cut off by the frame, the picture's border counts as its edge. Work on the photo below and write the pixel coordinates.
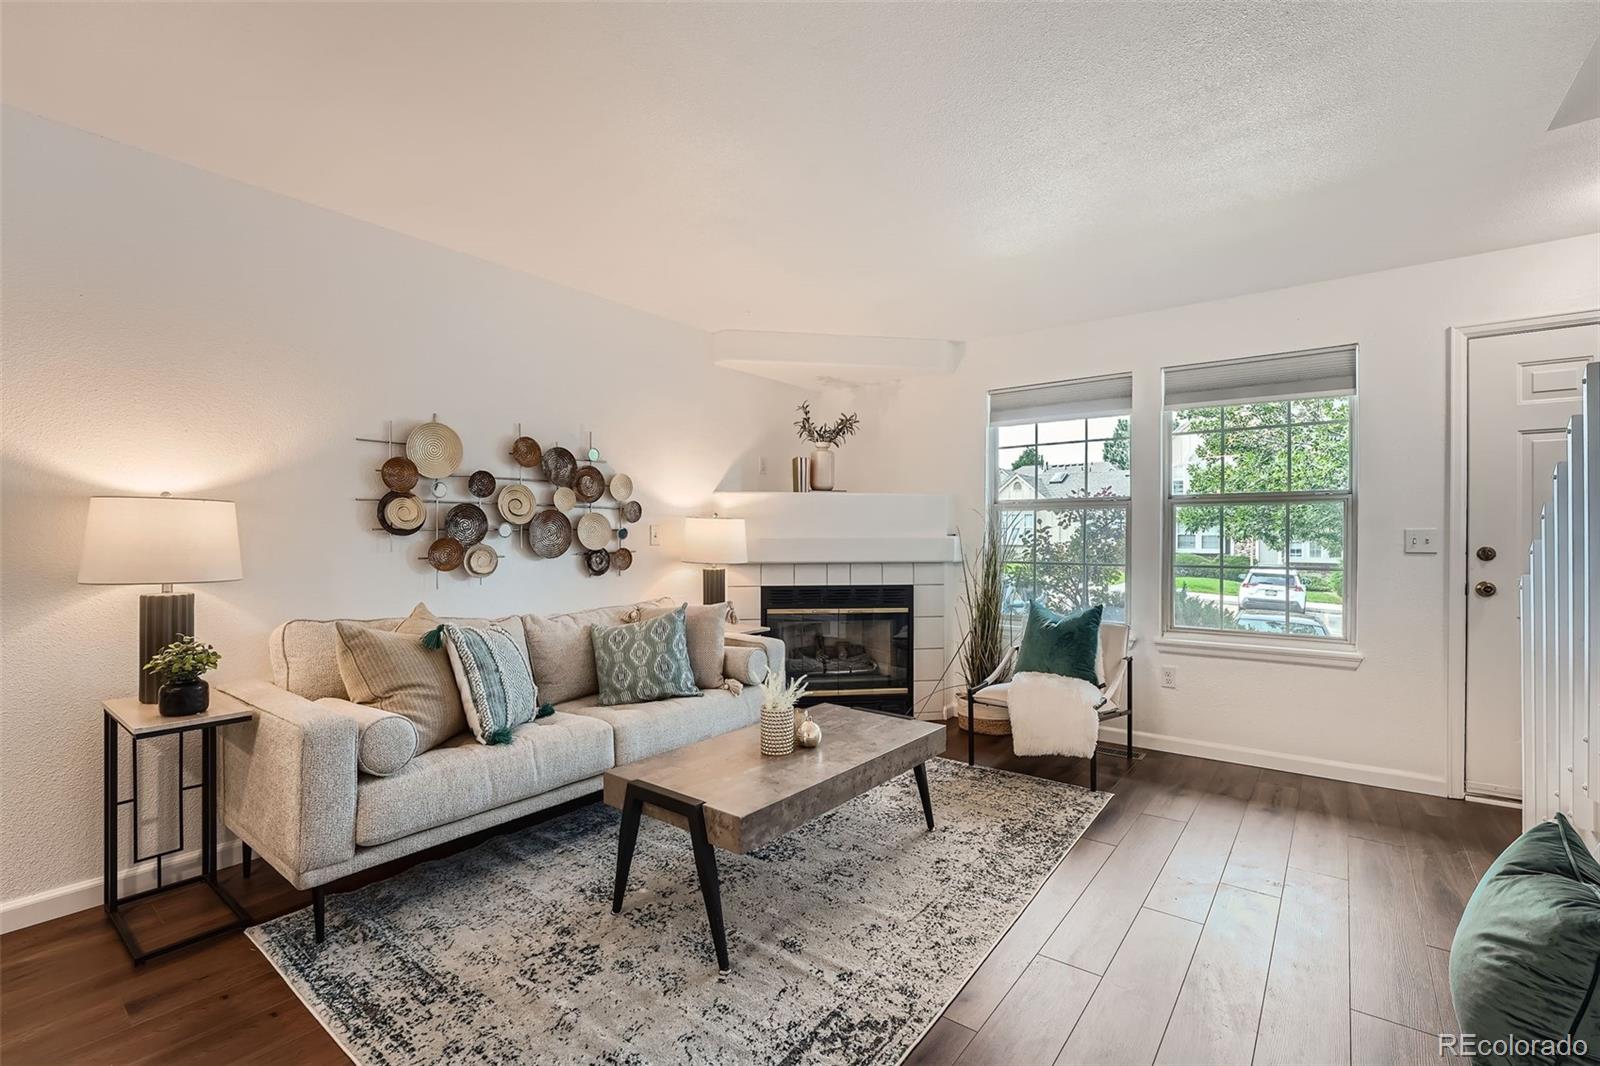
(645, 660)
(1064, 644)
(492, 673)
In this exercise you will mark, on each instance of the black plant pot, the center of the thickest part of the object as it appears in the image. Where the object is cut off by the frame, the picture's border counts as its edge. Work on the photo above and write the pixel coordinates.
(182, 698)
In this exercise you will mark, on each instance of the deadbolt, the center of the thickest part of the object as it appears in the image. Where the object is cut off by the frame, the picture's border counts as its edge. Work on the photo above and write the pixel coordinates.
(1485, 588)
(1486, 553)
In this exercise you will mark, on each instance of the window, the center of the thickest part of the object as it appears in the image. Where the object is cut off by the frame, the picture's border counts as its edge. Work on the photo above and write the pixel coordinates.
(1060, 463)
(1260, 470)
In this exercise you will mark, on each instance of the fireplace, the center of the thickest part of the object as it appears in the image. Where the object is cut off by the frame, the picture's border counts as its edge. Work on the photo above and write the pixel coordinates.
(852, 643)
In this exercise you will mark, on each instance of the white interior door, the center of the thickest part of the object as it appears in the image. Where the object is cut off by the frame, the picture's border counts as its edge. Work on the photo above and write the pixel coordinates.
(1521, 389)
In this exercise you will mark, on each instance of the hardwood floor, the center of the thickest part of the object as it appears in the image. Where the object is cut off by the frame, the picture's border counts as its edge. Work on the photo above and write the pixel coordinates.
(1213, 913)
(1223, 914)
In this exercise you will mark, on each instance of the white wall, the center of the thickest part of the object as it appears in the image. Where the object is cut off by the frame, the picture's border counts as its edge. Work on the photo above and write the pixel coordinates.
(1384, 722)
(165, 329)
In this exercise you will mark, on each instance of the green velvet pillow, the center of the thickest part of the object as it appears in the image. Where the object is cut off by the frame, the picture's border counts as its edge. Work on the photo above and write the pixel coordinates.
(1526, 956)
(1064, 644)
(645, 660)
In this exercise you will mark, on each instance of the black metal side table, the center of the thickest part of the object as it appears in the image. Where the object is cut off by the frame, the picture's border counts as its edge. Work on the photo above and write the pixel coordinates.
(143, 721)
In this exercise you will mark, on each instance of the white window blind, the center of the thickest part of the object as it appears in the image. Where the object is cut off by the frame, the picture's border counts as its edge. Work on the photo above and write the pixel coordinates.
(1318, 372)
(1086, 398)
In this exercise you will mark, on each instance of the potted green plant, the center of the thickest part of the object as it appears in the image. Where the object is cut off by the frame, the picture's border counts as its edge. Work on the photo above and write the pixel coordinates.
(824, 438)
(179, 665)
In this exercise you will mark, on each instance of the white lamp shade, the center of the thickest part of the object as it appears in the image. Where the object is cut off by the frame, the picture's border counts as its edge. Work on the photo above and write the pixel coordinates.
(714, 540)
(159, 540)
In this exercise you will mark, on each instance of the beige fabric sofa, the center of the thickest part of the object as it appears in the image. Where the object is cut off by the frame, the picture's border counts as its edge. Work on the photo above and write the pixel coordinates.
(321, 787)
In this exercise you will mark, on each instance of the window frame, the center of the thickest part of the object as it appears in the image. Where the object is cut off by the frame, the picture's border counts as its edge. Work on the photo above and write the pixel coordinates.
(1265, 642)
(996, 508)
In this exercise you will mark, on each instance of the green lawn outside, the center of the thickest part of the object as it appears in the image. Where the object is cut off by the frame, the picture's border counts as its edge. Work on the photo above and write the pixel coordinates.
(1208, 585)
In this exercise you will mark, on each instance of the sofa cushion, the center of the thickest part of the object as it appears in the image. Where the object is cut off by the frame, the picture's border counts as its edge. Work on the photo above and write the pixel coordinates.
(646, 729)
(1526, 957)
(1064, 644)
(744, 664)
(304, 655)
(705, 626)
(394, 671)
(562, 651)
(461, 777)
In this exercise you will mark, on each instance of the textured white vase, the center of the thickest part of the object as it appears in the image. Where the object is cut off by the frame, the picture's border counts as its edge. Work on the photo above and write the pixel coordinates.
(822, 470)
(777, 729)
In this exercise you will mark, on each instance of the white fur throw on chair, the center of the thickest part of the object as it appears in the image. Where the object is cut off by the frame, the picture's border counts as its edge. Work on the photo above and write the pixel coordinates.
(1054, 715)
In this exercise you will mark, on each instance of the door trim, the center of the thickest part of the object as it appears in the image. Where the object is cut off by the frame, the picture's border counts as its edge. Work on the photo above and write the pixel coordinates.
(1458, 338)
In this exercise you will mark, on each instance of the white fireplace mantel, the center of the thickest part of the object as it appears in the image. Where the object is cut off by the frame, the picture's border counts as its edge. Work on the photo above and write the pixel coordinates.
(844, 527)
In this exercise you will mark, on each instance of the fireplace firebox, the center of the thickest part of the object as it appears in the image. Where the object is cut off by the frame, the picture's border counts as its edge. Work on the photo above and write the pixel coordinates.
(852, 643)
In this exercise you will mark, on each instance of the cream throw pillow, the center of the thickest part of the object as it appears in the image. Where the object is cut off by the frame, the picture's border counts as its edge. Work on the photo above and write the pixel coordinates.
(395, 672)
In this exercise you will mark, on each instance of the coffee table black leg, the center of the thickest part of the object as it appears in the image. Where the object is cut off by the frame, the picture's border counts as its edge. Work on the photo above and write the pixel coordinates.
(705, 864)
(921, 772)
(632, 805)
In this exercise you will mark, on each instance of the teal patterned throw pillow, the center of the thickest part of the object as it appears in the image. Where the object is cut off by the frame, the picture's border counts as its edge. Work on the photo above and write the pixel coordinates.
(645, 660)
(496, 683)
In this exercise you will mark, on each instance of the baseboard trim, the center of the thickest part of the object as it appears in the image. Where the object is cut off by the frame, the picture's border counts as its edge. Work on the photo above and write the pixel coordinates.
(1359, 773)
(53, 903)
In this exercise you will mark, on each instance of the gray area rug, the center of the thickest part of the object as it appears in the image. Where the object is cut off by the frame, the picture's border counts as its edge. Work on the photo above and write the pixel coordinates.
(847, 937)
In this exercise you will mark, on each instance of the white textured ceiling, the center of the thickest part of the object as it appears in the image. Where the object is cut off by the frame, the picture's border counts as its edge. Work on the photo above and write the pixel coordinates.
(916, 170)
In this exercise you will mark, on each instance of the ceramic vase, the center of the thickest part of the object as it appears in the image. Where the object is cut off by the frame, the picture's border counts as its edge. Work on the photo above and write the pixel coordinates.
(178, 699)
(822, 470)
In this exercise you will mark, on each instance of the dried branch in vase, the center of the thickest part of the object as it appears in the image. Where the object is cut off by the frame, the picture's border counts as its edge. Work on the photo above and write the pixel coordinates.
(826, 435)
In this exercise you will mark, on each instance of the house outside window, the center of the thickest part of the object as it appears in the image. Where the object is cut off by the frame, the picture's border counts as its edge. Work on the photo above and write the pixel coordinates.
(1260, 539)
(1061, 482)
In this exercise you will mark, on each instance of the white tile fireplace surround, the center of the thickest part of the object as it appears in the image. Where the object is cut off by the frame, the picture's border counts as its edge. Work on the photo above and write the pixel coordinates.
(857, 538)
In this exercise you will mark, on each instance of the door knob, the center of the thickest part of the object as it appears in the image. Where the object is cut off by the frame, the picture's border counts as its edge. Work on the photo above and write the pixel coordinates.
(1486, 553)
(1485, 588)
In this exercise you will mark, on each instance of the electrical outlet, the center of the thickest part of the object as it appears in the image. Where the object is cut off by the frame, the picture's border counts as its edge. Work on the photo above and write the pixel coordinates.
(1422, 542)
(1169, 677)
(655, 536)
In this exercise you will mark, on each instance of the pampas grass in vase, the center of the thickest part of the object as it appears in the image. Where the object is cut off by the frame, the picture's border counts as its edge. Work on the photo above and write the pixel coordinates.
(778, 702)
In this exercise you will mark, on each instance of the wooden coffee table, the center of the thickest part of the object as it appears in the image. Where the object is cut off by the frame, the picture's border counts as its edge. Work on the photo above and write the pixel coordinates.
(730, 796)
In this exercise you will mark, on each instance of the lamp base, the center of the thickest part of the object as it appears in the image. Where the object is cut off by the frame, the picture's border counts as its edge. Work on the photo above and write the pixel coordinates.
(163, 618)
(714, 584)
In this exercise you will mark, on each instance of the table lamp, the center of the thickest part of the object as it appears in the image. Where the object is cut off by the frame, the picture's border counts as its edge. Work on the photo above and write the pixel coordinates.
(159, 540)
(714, 541)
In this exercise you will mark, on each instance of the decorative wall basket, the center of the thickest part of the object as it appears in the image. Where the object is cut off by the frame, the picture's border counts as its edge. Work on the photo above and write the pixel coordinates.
(401, 513)
(621, 487)
(559, 466)
(565, 499)
(598, 561)
(594, 532)
(526, 451)
(550, 535)
(399, 474)
(631, 511)
(481, 560)
(445, 554)
(467, 523)
(589, 484)
(516, 503)
(435, 449)
(621, 559)
(481, 484)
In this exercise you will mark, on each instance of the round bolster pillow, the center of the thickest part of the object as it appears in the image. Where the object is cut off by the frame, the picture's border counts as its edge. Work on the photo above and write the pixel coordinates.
(388, 741)
(745, 663)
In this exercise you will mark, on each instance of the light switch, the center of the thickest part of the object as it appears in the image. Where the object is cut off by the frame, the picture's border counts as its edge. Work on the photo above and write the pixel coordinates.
(1422, 542)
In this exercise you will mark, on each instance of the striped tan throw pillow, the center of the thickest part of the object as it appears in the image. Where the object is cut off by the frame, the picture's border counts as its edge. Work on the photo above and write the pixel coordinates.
(394, 671)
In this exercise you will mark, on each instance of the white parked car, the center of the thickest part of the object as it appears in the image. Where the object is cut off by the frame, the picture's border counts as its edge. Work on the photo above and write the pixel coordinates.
(1270, 588)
